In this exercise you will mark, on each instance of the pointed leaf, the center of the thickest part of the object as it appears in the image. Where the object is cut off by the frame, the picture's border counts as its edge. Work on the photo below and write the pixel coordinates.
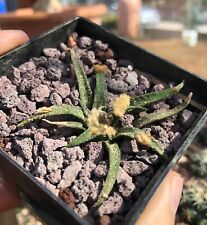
(69, 124)
(83, 83)
(152, 117)
(146, 99)
(100, 92)
(114, 163)
(141, 137)
(56, 110)
(82, 138)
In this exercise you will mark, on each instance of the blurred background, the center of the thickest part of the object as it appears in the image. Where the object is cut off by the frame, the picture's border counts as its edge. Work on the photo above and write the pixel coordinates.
(173, 29)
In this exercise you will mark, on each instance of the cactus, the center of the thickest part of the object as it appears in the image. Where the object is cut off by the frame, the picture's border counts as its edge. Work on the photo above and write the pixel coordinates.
(193, 206)
(97, 122)
(198, 163)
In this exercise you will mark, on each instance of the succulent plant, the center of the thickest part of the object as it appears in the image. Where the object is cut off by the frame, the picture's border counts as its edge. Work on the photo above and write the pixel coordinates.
(199, 163)
(193, 206)
(95, 121)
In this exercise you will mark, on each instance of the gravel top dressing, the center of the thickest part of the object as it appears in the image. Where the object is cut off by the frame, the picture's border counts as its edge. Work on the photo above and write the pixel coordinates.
(122, 136)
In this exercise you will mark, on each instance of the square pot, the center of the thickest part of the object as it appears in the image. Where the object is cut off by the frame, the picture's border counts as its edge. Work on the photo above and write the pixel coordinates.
(48, 206)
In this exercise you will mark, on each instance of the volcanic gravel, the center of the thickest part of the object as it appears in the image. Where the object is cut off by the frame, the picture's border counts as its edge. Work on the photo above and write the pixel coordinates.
(77, 174)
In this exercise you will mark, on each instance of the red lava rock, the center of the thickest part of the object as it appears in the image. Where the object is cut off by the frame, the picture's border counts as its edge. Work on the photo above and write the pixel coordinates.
(23, 133)
(81, 209)
(132, 78)
(94, 151)
(84, 42)
(89, 58)
(112, 64)
(16, 117)
(158, 130)
(16, 77)
(68, 101)
(55, 99)
(55, 69)
(176, 140)
(52, 52)
(138, 90)
(69, 175)
(39, 93)
(4, 130)
(167, 125)
(8, 94)
(158, 87)
(160, 106)
(118, 86)
(127, 120)
(112, 205)
(101, 169)
(72, 154)
(74, 96)
(27, 85)
(54, 161)
(82, 188)
(186, 118)
(63, 90)
(40, 169)
(24, 146)
(54, 177)
(134, 168)
(27, 69)
(25, 105)
(125, 184)
(121, 73)
(39, 61)
(67, 196)
(49, 145)
(99, 45)
(87, 168)
(144, 81)
(92, 198)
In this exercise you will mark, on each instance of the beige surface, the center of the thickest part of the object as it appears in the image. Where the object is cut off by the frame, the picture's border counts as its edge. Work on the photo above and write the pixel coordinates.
(35, 23)
(192, 59)
(8, 218)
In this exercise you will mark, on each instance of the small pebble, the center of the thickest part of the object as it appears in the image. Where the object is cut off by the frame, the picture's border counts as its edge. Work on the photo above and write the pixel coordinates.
(81, 209)
(25, 105)
(55, 99)
(112, 205)
(52, 52)
(54, 177)
(55, 161)
(134, 168)
(39, 94)
(24, 146)
(69, 175)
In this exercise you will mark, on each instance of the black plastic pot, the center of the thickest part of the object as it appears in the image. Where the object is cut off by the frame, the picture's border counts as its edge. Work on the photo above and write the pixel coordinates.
(48, 206)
